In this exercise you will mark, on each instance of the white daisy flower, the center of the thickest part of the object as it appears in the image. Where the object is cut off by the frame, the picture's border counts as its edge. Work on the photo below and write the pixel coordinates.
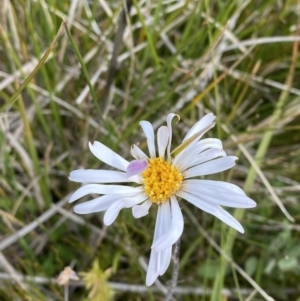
(160, 179)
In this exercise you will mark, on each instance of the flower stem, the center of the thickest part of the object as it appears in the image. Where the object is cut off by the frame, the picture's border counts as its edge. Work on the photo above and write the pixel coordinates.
(173, 284)
(66, 292)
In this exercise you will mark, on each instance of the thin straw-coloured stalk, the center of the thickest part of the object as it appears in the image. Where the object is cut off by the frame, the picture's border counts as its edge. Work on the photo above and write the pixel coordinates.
(148, 34)
(175, 272)
(164, 69)
(33, 155)
(85, 72)
(214, 61)
(54, 107)
(200, 96)
(36, 69)
(16, 60)
(228, 259)
(242, 94)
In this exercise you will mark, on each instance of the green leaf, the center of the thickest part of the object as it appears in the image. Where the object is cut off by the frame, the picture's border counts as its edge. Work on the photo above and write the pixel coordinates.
(270, 266)
(251, 265)
(288, 264)
(209, 269)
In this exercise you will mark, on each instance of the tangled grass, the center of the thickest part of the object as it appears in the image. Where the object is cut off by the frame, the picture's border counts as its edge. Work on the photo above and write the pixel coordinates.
(64, 83)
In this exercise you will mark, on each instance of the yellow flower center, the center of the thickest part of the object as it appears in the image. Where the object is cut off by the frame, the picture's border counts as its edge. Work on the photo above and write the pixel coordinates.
(161, 179)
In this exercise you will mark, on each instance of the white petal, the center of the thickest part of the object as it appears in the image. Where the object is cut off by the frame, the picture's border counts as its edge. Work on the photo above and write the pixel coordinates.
(205, 156)
(133, 154)
(205, 122)
(165, 255)
(209, 143)
(189, 152)
(228, 219)
(149, 133)
(108, 156)
(215, 210)
(164, 258)
(159, 261)
(169, 125)
(139, 211)
(162, 140)
(197, 201)
(218, 196)
(137, 179)
(127, 202)
(98, 176)
(99, 204)
(104, 189)
(163, 220)
(175, 231)
(190, 142)
(210, 167)
(195, 148)
(152, 272)
(137, 153)
(210, 184)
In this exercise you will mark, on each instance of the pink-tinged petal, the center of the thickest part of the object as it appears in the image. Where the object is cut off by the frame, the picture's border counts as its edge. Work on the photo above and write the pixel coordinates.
(215, 210)
(98, 176)
(175, 231)
(203, 125)
(137, 153)
(139, 211)
(162, 140)
(149, 133)
(99, 204)
(210, 167)
(203, 157)
(104, 189)
(108, 156)
(113, 211)
(218, 196)
(169, 125)
(135, 167)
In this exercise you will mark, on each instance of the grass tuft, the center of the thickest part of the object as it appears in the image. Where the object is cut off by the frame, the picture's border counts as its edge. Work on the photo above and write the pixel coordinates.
(238, 60)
